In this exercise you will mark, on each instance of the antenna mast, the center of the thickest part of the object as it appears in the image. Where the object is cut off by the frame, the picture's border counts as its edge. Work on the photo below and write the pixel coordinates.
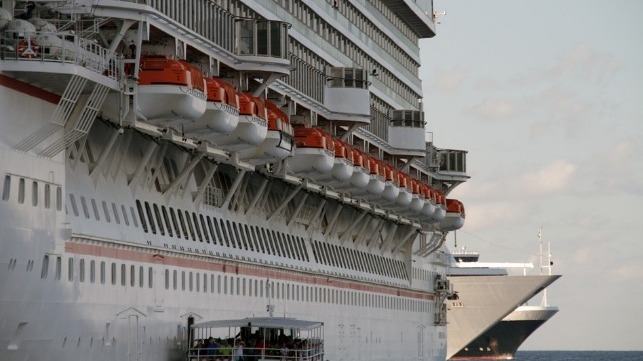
(542, 264)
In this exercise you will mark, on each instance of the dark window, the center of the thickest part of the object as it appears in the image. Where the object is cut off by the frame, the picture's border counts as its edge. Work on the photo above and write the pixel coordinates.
(148, 211)
(141, 216)
(167, 221)
(159, 221)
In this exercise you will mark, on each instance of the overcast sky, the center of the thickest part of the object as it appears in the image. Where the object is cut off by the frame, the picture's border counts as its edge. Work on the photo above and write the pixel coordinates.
(547, 97)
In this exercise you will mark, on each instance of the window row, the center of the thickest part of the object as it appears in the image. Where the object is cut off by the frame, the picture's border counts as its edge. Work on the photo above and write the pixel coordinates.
(108, 211)
(42, 194)
(129, 275)
(333, 255)
(103, 272)
(197, 227)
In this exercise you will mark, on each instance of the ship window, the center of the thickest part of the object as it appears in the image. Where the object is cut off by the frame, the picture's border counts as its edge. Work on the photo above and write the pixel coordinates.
(256, 236)
(251, 241)
(148, 212)
(47, 196)
(167, 279)
(225, 285)
(216, 228)
(238, 230)
(45, 267)
(174, 279)
(197, 276)
(59, 199)
(175, 223)
(107, 217)
(205, 282)
(150, 277)
(211, 283)
(233, 237)
(70, 269)
(159, 221)
(81, 272)
(196, 227)
(183, 280)
(92, 271)
(124, 211)
(293, 246)
(189, 222)
(116, 217)
(238, 278)
(190, 281)
(59, 266)
(84, 204)
(134, 216)
(273, 243)
(6, 188)
(114, 273)
(123, 274)
(74, 209)
(261, 289)
(102, 272)
(182, 223)
(34, 193)
(141, 276)
(166, 218)
(21, 191)
(141, 216)
(225, 233)
(204, 228)
(95, 208)
(280, 242)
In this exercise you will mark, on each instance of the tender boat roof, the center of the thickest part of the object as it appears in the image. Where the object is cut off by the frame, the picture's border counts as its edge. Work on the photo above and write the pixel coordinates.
(268, 322)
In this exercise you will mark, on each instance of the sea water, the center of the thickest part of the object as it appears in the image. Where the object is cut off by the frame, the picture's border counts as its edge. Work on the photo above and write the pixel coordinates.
(579, 356)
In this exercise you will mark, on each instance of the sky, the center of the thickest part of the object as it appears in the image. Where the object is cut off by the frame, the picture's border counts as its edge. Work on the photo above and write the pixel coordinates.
(547, 98)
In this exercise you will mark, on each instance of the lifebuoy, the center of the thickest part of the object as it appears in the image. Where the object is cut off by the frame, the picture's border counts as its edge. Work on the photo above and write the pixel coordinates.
(28, 48)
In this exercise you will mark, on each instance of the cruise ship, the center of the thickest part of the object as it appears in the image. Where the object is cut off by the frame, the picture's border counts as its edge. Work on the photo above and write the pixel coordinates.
(168, 165)
(486, 311)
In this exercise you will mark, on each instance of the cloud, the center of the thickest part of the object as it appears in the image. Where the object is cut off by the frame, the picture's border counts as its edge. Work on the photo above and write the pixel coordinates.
(484, 214)
(450, 80)
(496, 109)
(629, 272)
(584, 62)
(552, 178)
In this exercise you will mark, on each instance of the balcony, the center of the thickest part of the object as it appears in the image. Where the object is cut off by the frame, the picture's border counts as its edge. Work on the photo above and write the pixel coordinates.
(406, 132)
(262, 45)
(346, 95)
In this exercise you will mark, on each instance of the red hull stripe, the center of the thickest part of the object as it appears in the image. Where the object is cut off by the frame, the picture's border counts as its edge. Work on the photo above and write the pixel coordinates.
(28, 89)
(237, 269)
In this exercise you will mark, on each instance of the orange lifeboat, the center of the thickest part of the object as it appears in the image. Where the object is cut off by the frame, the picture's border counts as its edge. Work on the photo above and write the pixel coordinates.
(343, 167)
(170, 90)
(221, 113)
(252, 127)
(314, 153)
(278, 143)
(392, 186)
(417, 198)
(454, 218)
(381, 188)
(429, 201)
(440, 207)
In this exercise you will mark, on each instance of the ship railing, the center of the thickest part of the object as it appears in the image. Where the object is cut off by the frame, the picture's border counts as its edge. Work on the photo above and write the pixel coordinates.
(314, 353)
(60, 47)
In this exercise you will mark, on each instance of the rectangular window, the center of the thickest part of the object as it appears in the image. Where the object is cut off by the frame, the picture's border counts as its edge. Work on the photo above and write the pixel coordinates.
(34, 193)
(204, 228)
(182, 222)
(159, 222)
(150, 278)
(174, 279)
(148, 212)
(167, 221)
(167, 279)
(59, 199)
(189, 222)
(70, 269)
(102, 272)
(47, 196)
(123, 274)
(95, 208)
(132, 276)
(6, 188)
(141, 278)
(92, 271)
(183, 280)
(81, 266)
(114, 276)
(116, 217)
(59, 266)
(196, 226)
(21, 191)
(45, 267)
(106, 211)
(141, 216)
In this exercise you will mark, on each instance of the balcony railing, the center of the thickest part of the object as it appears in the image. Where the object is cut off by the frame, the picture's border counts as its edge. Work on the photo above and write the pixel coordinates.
(60, 48)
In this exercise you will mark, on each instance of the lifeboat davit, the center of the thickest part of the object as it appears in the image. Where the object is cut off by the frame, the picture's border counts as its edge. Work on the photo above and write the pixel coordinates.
(252, 127)
(279, 140)
(170, 91)
(221, 112)
(342, 170)
(314, 153)
(454, 218)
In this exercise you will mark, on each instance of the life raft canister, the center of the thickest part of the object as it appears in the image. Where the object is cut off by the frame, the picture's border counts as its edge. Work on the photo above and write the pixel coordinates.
(28, 48)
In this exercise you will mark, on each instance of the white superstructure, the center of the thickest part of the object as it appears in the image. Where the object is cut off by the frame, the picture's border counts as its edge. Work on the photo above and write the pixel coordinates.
(123, 220)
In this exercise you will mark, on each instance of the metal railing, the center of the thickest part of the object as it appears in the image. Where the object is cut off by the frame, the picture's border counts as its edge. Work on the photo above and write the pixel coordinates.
(251, 354)
(60, 48)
